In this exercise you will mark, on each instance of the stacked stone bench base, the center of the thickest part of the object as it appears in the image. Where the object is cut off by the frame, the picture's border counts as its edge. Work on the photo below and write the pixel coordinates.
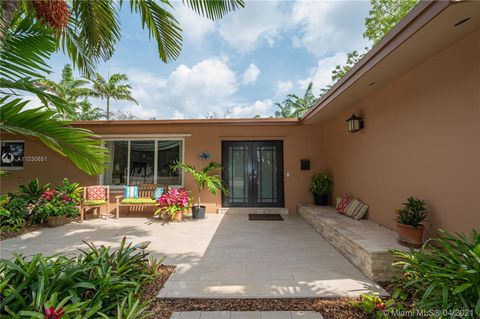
(365, 243)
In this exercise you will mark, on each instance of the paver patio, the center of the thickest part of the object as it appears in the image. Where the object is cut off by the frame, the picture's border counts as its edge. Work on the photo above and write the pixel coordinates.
(223, 256)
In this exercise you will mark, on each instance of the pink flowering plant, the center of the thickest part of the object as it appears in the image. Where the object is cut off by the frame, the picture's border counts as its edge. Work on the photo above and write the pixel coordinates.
(54, 203)
(172, 202)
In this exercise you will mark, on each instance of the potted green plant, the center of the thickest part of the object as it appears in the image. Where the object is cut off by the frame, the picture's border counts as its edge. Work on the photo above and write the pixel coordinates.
(409, 218)
(320, 187)
(204, 178)
(55, 207)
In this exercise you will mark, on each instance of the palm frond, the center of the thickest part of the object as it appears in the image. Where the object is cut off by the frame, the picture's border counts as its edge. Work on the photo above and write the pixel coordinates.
(81, 146)
(92, 33)
(27, 47)
(214, 9)
(162, 25)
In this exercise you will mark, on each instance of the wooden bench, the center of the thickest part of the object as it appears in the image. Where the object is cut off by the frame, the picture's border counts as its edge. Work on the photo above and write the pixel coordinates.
(363, 242)
(145, 198)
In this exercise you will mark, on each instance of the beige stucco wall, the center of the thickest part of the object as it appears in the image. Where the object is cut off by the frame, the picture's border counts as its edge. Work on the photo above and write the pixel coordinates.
(421, 138)
(299, 142)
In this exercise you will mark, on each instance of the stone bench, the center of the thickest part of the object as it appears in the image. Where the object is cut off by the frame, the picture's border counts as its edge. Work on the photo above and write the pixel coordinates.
(363, 242)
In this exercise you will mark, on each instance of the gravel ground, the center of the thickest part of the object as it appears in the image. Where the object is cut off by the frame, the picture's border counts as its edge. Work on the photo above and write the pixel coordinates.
(330, 308)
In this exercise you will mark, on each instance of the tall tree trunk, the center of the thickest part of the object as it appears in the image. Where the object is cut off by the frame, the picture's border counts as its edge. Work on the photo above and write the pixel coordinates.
(108, 108)
(8, 8)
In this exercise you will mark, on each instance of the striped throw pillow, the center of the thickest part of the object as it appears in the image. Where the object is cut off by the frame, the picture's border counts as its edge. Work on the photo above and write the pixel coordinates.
(130, 191)
(356, 209)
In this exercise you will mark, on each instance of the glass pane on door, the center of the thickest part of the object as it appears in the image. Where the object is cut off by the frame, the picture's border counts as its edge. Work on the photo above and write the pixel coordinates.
(266, 179)
(237, 170)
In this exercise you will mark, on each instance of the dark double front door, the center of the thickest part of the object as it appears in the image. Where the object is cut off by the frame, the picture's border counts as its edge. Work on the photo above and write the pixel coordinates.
(253, 172)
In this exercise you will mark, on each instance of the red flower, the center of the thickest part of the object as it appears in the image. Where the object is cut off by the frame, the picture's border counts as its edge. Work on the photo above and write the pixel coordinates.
(380, 306)
(51, 313)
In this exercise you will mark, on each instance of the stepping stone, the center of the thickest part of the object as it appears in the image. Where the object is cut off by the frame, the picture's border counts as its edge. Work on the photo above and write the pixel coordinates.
(246, 315)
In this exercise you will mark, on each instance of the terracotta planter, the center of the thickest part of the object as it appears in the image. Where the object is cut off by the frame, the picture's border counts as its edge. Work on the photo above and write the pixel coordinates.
(409, 235)
(55, 221)
(178, 216)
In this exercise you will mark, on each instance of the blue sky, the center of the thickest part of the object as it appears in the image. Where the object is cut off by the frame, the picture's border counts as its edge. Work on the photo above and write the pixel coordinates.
(240, 65)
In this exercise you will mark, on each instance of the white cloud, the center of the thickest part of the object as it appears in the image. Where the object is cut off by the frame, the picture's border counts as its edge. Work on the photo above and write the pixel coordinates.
(207, 86)
(251, 74)
(329, 26)
(283, 88)
(194, 26)
(262, 108)
(258, 21)
(178, 116)
(321, 75)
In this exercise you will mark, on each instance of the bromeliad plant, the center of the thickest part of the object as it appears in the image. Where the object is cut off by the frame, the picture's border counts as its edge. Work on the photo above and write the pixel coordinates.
(414, 212)
(100, 283)
(175, 201)
(444, 273)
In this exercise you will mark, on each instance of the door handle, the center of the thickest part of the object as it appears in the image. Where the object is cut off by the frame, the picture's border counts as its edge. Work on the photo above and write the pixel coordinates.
(253, 175)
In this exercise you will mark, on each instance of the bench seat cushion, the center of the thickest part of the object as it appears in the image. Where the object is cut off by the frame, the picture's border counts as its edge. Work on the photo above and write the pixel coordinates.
(94, 202)
(139, 201)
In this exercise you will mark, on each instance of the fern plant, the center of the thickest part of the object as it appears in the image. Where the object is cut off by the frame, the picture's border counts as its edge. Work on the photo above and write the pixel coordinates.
(204, 178)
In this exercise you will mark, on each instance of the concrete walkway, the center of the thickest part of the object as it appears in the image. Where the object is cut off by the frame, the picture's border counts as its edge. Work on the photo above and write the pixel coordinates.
(247, 315)
(223, 256)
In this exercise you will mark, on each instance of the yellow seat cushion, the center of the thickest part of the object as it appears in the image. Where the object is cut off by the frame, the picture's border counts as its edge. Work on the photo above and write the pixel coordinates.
(138, 201)
(94, 202)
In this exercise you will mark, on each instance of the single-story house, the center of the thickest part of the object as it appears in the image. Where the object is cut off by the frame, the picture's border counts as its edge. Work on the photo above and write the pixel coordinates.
(417, 92)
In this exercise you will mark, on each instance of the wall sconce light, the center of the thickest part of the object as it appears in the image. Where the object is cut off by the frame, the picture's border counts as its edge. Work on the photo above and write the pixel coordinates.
(355, 123)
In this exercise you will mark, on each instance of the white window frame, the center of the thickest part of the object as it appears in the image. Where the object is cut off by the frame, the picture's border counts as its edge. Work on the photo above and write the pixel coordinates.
(147, 137)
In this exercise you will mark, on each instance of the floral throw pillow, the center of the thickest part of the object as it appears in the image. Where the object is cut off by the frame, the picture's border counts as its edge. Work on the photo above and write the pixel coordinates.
(343, 203)
(95, 193)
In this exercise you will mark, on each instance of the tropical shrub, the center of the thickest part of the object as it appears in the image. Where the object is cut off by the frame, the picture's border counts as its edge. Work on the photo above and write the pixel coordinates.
(413, 212)
(321, 183)
(172, 202)
(54, 203)
(100, 282)
(72, 190)
(204, 178)
(444, 273)
(376, 307)
(33, 190)
(13, 211)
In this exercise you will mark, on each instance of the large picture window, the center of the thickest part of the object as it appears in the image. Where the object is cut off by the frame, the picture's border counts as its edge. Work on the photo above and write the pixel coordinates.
(135, 162)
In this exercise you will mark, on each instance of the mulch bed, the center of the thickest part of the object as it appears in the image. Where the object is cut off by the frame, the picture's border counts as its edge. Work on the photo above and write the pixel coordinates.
(330, 308)
(28, 228)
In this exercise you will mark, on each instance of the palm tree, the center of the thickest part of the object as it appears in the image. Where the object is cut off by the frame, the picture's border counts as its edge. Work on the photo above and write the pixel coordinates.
(69, 89)
(89, 30)
(86, 112)
(294, 106)
(111, 89)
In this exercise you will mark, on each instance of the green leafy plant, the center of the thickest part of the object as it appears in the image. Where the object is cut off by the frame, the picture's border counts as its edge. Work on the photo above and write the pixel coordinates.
(72, 190)
(444, 273)
(413, 212)
(204, 178)
(378, 308)
(321, 183)
(13, 211)
(100, 282)
(33, 190)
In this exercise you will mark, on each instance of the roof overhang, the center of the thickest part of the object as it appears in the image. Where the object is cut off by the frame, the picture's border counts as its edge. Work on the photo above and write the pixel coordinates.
(195, 122)
(426, 31)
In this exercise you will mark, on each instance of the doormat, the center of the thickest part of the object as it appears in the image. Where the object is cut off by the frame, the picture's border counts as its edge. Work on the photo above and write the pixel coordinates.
(264, 217)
